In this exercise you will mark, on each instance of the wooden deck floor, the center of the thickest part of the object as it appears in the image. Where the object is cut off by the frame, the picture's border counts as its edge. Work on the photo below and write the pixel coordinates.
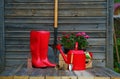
(22, 71)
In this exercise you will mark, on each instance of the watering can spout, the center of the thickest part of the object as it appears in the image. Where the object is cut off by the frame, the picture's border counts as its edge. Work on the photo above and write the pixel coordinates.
(59, 47)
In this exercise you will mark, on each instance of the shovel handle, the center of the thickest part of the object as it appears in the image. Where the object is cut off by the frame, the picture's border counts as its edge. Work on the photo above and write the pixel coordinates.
(76, 46)
(56, 14)
(71, 61)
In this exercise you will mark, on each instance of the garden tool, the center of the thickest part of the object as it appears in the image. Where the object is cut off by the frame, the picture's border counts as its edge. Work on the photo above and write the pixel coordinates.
(39, 48)
(55, 26)
(71, 61)
(79, 57)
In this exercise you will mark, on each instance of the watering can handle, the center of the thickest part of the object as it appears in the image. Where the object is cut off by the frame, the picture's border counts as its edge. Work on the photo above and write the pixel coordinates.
(76, 45)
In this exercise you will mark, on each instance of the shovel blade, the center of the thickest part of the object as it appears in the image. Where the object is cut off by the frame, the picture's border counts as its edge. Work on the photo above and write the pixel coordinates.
(70, 67)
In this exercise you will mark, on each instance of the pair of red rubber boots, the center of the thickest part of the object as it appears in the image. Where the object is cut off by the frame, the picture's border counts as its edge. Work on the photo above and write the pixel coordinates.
(39, 48)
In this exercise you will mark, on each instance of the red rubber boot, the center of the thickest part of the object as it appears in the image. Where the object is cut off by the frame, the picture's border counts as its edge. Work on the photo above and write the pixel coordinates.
(35, 49)
(44, 37)
(39, 48)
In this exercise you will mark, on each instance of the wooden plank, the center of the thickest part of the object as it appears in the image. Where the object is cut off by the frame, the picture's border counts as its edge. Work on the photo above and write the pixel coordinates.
(83, 73)
(38, 77)
(109, 32)
(6, 77)
(52, 1)
(92, 27)
(21, 77)
(102, 78)
(86, 77)
(115, 77)
(22, 41)
(22, 49)
(51, 73)
(99, 62)
(13, 61)
(75, 12)
(2, 43)
(43, 20)
(97, 72)
(52, 77)
(110, 72)
(68, 77)
(18, 68)
(10, 33)
(50, 5)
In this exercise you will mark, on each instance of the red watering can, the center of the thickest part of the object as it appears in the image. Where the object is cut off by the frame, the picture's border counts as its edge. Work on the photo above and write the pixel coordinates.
(78, 58)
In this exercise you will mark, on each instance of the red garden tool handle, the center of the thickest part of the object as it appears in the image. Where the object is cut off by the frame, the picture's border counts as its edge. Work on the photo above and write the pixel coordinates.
(76, 45)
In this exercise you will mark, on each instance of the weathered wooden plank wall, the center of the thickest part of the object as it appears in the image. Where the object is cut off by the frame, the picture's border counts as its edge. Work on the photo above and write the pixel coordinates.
(22, 16)
(109, 34)
(2, 46)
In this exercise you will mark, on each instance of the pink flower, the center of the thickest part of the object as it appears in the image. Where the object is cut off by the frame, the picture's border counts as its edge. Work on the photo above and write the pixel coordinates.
(87, 36)
(83, 33)
(78, 34)
(67, 36)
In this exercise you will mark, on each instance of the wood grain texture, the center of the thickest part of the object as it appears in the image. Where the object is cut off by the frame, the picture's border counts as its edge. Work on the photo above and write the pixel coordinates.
(38, 77)
(20, 77)
(2, 38)
(6, 77)
(109, 32)
(52, 0)
(115, 77)
(52, 72)
(85, 77)
(102, 78)
(68, 77)
(52, 77)
(22, 16)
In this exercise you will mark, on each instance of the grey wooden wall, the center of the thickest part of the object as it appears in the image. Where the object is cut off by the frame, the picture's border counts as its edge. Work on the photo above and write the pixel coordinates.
(2, 45)
(90, 16)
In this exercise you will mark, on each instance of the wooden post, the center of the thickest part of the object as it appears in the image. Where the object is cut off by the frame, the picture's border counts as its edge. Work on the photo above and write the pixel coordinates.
(109, 34)
(2, 47)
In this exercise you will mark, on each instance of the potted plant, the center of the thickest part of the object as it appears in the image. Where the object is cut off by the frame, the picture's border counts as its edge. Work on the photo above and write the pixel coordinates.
(68, 40)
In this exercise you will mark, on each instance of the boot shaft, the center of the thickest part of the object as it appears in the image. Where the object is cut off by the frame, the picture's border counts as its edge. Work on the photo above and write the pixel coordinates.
(39, 48)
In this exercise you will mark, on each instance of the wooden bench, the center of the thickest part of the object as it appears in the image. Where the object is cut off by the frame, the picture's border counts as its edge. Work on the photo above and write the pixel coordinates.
(21, 72)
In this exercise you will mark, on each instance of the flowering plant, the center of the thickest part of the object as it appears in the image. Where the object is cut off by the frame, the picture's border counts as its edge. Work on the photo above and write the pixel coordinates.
(68, 40)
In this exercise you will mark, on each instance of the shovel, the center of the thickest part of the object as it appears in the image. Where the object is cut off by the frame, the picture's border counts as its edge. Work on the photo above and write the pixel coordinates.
(71, 61)
(55, 26)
